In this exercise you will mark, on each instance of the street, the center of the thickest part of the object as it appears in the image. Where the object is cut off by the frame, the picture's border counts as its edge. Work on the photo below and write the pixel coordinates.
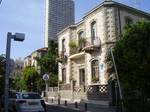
(51, 108)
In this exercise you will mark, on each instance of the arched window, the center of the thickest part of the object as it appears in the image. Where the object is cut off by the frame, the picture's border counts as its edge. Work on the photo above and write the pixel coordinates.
(95, 70)
(81, 34)
(93, 30)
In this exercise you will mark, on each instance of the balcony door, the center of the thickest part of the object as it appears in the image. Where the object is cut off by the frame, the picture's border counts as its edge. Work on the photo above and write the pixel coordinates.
(82, 77)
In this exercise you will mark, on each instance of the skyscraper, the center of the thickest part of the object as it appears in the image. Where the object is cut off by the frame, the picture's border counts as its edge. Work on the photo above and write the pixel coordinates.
(58, 15)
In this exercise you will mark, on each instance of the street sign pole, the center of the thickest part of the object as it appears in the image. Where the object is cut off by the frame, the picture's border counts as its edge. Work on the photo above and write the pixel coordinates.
(46, 77)
(46, 85)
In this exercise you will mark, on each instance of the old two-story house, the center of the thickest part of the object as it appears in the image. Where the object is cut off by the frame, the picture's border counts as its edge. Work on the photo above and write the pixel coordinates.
(31, 60)
(83, 48)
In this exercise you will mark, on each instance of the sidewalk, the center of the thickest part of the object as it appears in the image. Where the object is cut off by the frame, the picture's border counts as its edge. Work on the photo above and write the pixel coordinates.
(83, 106)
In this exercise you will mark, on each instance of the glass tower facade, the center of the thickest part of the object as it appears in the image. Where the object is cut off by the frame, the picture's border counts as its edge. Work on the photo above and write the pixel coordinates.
(59, 14)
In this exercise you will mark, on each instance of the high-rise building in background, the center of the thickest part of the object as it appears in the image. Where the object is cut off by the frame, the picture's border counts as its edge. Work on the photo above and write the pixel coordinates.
(58, 15)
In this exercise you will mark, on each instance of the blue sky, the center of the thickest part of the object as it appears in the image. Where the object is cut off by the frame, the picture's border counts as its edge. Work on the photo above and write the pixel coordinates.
(27, 16)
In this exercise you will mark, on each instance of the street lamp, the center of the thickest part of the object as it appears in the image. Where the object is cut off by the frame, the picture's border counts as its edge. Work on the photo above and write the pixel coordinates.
(16, 37)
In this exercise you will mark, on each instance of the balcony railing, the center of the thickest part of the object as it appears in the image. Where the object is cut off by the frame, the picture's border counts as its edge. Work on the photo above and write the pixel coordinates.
(87, 45)
(62, 57)
(92, 45)
(65, 86)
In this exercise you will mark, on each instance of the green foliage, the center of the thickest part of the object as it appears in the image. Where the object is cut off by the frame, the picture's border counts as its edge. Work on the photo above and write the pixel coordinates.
(31, 80)
(53, 80)
(2, 73)
(82, 42)
(48, 63)
(95, 79)
(15, 83)
(132, 56)
(72, 44)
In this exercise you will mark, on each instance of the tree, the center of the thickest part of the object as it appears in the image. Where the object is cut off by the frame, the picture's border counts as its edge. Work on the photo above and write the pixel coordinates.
(31, 80)
(2, 73)
(48, 63)
(15, 83)
(132, 56)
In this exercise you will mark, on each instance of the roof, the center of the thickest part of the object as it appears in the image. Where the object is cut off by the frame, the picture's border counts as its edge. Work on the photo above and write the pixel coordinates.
(106, 3)
(117, 4)
(44, 49)
(66, 28)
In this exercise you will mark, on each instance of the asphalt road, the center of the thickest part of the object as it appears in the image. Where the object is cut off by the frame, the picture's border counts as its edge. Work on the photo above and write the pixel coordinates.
(51, 108)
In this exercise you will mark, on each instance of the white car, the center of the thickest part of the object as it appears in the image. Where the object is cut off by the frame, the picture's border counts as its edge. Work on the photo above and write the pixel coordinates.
(26, 102)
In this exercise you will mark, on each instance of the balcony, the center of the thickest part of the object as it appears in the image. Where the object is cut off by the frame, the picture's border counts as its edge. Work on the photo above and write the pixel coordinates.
(62, 57)
(93, 45)
(76, 46)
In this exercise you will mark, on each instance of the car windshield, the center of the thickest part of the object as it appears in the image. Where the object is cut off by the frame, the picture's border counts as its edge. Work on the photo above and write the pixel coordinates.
(31, 96)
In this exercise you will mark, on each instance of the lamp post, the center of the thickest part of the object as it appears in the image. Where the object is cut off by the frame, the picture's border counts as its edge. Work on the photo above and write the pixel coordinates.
(16, 37)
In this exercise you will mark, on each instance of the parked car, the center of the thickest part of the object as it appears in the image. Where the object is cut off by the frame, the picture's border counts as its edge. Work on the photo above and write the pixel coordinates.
(26, 102)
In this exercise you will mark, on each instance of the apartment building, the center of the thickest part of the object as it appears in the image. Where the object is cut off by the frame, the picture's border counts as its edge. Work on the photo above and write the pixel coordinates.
(58, 15)
(31, 60)
(83, 49)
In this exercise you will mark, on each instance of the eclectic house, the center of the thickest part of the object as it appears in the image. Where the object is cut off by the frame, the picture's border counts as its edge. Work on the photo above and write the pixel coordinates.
(83, 49)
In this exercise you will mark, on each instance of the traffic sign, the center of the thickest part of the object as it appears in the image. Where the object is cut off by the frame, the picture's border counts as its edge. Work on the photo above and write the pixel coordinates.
(45, 77)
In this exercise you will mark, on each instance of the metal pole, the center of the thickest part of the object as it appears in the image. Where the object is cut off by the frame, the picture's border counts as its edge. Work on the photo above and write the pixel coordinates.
(8, 45)
(46, 86)
(117, 77)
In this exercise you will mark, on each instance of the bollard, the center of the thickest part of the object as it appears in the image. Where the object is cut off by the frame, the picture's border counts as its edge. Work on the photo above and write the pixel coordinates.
(85, 107)
(65, 103)
(58, 101)
(76, 105)
(52, 100)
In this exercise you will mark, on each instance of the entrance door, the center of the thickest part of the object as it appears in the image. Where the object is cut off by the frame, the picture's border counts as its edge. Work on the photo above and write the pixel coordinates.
(82, 76)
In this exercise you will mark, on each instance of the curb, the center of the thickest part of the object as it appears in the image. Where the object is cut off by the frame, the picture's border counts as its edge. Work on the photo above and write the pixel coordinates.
(77, 109)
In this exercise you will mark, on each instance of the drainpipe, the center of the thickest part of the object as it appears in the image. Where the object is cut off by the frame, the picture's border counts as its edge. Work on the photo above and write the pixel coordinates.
(117, 77)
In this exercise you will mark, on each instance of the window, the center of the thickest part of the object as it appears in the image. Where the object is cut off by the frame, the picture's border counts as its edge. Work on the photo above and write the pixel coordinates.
(82, 40)
(128, 20)
(31, 96)
(81, 34)
(93, 30)
(64, 75)
(82, 76)
(63, 45)
(95, 70)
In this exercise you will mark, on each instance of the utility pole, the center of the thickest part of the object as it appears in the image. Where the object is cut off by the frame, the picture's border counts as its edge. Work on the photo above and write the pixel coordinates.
(117, 77)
